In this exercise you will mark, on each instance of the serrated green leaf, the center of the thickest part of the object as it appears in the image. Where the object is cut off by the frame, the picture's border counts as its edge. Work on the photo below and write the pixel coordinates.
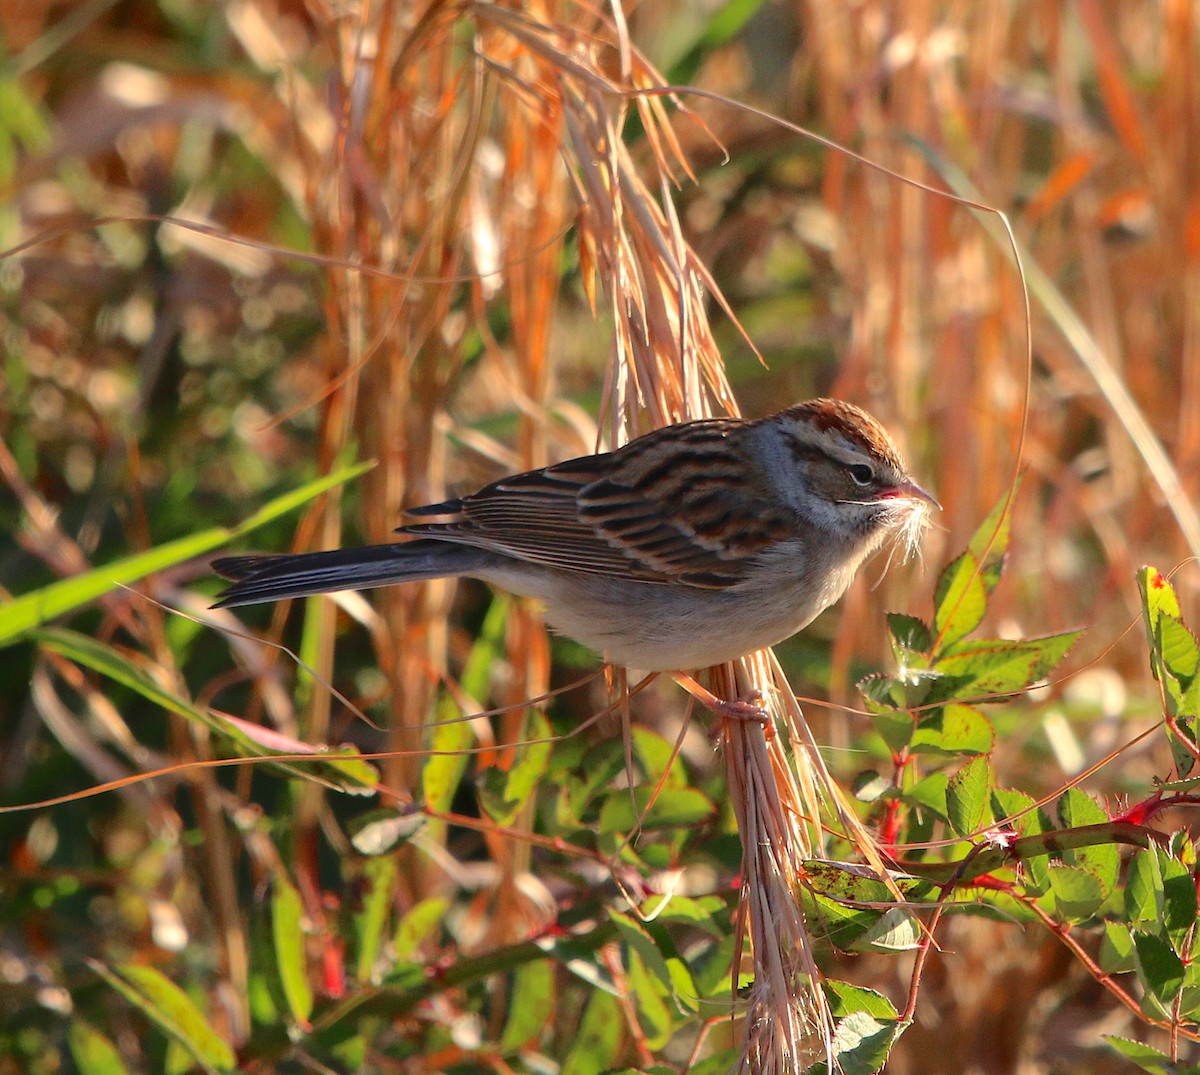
(910, 636)
(861, 1043)
(1177, 644)
(287, 933)
(172, 1010)
(531, 1003)
(1145, 1056)
(930, 793)
(1078, 893)
(1182, 847)
(649, 995)
(953, 729)
(1000, 667)
(1144, 889)
(1182, 736)
(967, 797)
(989, 543)
(446, 765)
(846, 999)
(838, 881)
(1116, 949)
(1179, 896)
(1158, 597)
(895, 728)
(897, 930)
(1016, 807)
(1160, 970)
(721, 1063)
(959, 601)
(835, 922)
(1076, 809)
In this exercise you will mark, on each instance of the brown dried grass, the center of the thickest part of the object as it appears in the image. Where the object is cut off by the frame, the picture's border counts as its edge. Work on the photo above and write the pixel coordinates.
(455, 174)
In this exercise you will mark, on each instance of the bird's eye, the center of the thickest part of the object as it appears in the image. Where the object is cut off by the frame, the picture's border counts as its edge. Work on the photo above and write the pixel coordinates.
(862, 474)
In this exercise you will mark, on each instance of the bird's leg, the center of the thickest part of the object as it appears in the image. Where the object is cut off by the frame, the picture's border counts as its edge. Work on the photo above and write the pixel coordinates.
(748, 707)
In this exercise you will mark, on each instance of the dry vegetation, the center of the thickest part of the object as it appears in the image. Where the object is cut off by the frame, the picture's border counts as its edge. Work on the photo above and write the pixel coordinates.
(252, 243)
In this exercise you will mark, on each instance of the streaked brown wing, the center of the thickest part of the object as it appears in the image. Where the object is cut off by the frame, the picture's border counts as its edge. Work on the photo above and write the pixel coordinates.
(665, 508)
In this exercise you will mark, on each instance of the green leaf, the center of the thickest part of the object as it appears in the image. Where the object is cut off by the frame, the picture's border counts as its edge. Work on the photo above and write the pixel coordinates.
(172, 1010)
(93, 1053)
(673, 808)
(380, 874)
(953, 729)
(1116, 949)
(504, 794)
(707, 913)
(379, 831)
(1179, 896)
(1178, 647)
(637, 939)
(655, 1021)
(959, 601)
(597, 1040)
(1158, 597)
(23, 614)
(659, 758)
(839, 925)
(350, 774)
(1145, 1056)
(846, 999)
(1000, 667)
(531, 1003)
(447, 762)
(1078, 893)
(838, 881)
(1076, 809)
(861, 1043)
(989, 544)
(894, 728)
(287, 933)
(417, 924)
(910, 637)
(1144, 889)
(1017, 808)
(908, 690)
(897, 930)
(869, 786)
(1160, 968)
(929, 793)
(967, 797)
(721, 1063)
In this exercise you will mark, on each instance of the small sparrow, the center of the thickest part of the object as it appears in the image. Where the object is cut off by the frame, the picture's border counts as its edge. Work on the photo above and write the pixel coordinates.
(690, 546)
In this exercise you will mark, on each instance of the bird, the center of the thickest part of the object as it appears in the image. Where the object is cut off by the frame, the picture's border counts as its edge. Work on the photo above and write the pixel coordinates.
(692, 545)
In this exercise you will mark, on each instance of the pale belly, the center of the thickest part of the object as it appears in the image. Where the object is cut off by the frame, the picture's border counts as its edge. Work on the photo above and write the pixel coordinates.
(659, 628)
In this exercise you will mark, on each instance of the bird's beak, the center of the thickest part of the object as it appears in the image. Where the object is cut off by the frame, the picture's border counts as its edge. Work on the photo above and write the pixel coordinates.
(910, 490)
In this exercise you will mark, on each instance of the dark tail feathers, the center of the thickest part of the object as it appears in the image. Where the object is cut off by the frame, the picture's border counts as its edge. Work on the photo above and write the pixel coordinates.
(274, 578)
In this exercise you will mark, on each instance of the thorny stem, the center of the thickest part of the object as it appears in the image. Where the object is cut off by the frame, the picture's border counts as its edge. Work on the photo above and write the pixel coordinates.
(930, 929)
(1062, 931)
